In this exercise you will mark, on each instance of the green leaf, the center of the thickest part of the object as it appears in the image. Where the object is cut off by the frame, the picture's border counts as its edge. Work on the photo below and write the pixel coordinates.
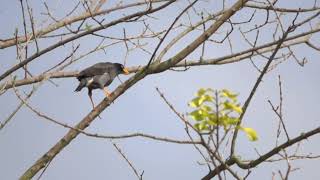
(205, 98)
(229, 94)
(231, 106)
(201, 92)
(194, 102)
(198, 101)
(212, 119)
(197, 115)
(197, 126)
(231, 120)
(206, 108)
(201, 126)
(251, 133)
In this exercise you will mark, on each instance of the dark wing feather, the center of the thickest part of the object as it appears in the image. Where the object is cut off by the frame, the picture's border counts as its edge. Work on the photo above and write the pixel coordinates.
(96, 69)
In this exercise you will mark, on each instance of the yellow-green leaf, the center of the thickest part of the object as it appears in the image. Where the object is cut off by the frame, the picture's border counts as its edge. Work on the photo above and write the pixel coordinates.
(251, 133)
(206, 108)
(201, 126)
(197, 126)
(212, 119)
(194, 102)
(197, 115)
(231, 106)
(201, 92)
(227, 93)
(205, 98)
(231, 120)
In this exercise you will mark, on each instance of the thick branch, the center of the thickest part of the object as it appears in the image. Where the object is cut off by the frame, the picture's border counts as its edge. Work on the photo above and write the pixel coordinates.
(294, 40)
(262, 158)
(203, 37)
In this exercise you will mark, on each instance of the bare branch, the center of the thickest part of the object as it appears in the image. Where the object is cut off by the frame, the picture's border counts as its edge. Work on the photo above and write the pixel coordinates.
(262, 158)
(62, 23)
(77, 36)
(85, 122)
(127, 160)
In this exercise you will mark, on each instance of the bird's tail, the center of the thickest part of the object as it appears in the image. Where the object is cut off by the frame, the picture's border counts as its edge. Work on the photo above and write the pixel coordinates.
(81, 85)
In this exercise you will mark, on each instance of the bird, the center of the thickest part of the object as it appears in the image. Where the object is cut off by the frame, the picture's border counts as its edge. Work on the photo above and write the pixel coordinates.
(99, 76)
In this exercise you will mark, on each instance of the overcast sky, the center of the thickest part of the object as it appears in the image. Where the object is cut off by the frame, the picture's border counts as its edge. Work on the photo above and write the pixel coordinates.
(140, 109)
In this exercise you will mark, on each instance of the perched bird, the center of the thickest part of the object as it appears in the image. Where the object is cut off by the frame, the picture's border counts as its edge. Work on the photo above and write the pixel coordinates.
(98, 76)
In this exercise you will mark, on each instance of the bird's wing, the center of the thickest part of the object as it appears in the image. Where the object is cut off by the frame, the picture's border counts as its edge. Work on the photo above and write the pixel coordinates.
(102, 80)
(97, 69)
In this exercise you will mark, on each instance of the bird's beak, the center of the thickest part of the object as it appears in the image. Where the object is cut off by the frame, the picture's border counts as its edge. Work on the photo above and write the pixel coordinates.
(125, 70)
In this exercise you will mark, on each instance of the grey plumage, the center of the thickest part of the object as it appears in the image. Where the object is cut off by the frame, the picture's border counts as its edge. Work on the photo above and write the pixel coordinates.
(99, 76)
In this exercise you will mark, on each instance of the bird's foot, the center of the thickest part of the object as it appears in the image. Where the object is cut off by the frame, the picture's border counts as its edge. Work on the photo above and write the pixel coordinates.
(106, 92)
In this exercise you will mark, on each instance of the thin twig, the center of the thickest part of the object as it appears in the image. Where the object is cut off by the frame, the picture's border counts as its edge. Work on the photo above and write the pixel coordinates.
(165, 35)
(127, 160)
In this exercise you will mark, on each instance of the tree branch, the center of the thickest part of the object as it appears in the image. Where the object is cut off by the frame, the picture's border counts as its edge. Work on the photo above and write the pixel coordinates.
(68, 21)
(77, 36)
(85, 122)
(261, 159)
(268, 47)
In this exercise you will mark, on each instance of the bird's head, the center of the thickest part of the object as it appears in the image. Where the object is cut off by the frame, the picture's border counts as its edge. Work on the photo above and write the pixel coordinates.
(121, 69)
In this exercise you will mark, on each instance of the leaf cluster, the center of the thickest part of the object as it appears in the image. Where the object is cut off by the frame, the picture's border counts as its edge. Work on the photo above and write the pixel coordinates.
(213, 108)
